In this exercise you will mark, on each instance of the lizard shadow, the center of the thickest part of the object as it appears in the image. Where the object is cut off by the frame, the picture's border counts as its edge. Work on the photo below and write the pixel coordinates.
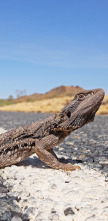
(33, 162)
(36, 162)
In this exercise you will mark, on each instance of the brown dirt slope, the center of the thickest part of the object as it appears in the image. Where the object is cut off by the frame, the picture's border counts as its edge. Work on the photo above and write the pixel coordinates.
(61, 91)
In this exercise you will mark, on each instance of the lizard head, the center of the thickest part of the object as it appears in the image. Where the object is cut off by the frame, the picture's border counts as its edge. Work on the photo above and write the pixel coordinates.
(81, 109)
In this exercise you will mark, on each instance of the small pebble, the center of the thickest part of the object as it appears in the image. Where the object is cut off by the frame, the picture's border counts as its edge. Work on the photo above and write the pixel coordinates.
(16, 218)
(69, 211)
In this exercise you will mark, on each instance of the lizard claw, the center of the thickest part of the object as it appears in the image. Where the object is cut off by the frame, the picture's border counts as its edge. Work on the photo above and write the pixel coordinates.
(70, 167)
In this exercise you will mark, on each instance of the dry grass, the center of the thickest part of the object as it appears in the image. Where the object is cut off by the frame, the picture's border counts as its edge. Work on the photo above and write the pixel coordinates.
(104, 108)
(48, 105)
(106, 97)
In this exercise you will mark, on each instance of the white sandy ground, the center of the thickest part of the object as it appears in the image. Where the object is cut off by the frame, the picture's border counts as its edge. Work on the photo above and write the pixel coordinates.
(46, 193)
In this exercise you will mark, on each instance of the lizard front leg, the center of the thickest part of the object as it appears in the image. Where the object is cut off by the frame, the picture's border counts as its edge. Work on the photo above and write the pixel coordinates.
(42, 150)
(62, 159)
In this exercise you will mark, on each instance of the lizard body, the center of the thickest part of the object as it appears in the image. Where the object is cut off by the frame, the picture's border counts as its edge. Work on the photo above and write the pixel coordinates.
(41, 137)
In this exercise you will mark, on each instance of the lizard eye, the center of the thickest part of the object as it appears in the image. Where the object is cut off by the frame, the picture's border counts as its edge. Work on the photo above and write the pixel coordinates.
(80, 97)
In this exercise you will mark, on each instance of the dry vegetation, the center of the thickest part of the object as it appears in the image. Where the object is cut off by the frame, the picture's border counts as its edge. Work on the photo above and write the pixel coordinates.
(48, 105)
(104, 107)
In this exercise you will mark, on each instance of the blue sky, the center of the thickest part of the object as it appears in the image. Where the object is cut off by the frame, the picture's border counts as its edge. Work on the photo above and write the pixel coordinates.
(48, 43)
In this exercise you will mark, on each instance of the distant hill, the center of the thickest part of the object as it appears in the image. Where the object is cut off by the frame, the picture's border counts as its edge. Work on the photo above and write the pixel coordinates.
(54, 93)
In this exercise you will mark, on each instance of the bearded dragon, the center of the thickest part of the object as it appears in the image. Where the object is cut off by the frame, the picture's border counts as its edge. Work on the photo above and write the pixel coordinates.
(41, 137)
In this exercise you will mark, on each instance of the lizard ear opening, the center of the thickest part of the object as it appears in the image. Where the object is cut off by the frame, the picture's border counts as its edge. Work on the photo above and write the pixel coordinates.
(68, 113)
